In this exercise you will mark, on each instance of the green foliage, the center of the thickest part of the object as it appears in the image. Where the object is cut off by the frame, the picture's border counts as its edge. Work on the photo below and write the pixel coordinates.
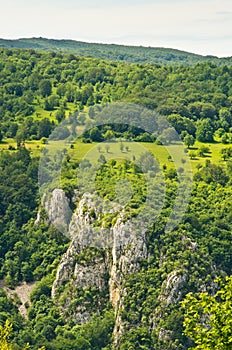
(189, 140)
(95, 135)
(146, 162)
(45, 87)
(112, 52)
(203, 150)
(208, 318)
(212, 173)
(20, 257)
(42, 288)
(226, 153)
(38, 91)
(136, 339)
(71, 84)
(98, 331)
(205, 131)
(4, 336)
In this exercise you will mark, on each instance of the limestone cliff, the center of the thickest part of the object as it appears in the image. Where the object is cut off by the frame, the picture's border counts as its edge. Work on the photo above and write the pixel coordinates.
(112, 258)
(93, 271)
(58, 210)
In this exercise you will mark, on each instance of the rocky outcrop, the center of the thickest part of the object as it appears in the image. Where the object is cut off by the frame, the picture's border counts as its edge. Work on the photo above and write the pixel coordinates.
(116, 253)
(21, 292)
(58, 210)
(97, 265)
(128, 248)
(172, 288)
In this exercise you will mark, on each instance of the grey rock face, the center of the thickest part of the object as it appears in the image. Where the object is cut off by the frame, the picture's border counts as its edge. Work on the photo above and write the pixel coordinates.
(106, 273)
(58, 210)
(128, 248)
(172, 287)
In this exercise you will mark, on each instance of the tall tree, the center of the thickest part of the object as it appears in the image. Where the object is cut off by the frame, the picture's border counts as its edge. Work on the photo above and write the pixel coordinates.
(204, 131)
(45, 87)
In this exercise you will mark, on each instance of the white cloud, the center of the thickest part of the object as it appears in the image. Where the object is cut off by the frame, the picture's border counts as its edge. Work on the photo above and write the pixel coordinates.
(193, 25)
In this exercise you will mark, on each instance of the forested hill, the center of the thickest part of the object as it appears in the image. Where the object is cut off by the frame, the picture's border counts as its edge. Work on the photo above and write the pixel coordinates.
(153, 289)
(132, 54)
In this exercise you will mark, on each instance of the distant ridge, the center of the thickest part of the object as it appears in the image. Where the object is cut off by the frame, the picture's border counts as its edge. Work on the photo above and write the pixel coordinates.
(132, 54)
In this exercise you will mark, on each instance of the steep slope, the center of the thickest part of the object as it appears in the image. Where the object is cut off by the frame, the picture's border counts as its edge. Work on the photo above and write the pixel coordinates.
(142, 278)
(136, 285)
(102, 272)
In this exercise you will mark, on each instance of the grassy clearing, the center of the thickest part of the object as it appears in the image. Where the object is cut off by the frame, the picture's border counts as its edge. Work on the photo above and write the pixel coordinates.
(131, 151)
(112, 150)
(35, 146)
(214, 153)
(6, 143)
(93, 151)
(40, 113)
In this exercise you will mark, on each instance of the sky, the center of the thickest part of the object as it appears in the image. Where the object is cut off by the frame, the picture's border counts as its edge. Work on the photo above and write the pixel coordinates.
(199, 26)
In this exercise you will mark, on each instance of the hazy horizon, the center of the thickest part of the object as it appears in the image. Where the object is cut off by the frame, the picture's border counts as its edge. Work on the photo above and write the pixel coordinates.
(201, 27)
(112, 43)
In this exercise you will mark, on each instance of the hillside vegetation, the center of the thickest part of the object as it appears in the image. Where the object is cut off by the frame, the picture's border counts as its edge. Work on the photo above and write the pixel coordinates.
(131, 54)
(38, 91)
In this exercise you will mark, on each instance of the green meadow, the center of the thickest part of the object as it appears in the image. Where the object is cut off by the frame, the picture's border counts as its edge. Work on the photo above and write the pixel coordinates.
(131, 151)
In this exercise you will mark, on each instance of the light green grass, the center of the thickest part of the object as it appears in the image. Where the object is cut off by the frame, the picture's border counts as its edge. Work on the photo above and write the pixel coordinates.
(214, 155)
(90, 151)
(6, 143)
(135, 149)
(34, 146)
(82, 150)
(40, 113)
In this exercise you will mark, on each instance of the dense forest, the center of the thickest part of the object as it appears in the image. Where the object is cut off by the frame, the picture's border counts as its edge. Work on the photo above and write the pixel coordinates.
(196, 100)
(179, 296)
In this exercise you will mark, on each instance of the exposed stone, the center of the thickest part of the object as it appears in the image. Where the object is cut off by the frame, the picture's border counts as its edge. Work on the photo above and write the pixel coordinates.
(58, 210)
(172, 287)
(22, 292)
(38, 217)
(111, 255)
(124, 248)
(128, 248)
(164, 334)
(65, 269)
(91, 276)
